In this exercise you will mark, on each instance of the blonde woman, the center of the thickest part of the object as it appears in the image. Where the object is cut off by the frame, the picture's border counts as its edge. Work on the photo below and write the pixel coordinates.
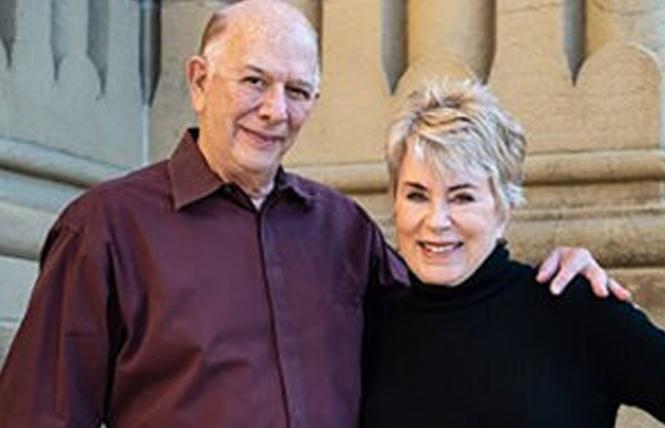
(476, 342)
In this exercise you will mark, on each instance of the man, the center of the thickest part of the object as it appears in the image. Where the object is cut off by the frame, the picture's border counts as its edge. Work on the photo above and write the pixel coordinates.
(213, 289)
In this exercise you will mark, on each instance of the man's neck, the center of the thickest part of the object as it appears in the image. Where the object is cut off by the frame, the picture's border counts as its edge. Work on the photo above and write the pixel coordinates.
(256, 184)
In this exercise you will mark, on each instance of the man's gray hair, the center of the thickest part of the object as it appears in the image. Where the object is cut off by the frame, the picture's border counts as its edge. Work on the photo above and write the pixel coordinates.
(459, 126)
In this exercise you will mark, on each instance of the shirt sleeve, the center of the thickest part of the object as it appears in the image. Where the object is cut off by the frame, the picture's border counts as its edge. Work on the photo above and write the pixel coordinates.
(57, 371)
(630, 350)
(387, 267)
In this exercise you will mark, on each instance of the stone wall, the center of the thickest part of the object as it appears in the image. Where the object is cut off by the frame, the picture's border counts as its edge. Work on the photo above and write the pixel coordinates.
(584, 77)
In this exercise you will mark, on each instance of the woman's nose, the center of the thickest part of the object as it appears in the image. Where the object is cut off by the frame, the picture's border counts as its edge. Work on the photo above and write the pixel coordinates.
(439, 217)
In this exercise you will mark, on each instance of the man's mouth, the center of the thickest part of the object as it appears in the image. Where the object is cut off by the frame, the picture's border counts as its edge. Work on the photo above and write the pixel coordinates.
(263, 138)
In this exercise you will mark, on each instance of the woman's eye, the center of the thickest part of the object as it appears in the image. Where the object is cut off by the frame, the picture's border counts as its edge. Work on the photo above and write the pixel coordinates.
(416, 196)
(462, 198)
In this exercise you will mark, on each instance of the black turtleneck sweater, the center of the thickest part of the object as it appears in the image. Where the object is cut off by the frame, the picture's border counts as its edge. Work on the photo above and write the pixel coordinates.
(499, 351)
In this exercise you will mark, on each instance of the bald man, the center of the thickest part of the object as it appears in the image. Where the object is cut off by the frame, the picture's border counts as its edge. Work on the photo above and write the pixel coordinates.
(212, 289)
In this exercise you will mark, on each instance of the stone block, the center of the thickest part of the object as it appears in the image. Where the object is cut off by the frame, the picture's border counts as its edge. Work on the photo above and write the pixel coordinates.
(17, 278)
(618, 237)
(7, 332)
(23, 230)
(34, 192)
(619, 96)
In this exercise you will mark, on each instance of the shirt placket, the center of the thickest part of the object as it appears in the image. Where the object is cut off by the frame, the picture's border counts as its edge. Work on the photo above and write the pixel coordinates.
(282, 315)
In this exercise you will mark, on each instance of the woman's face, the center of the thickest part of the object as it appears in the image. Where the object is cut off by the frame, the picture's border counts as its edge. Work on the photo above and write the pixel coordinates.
(446, 226)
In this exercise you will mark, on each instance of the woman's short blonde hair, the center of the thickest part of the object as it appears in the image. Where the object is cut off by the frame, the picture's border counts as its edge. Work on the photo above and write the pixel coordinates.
(459, 126)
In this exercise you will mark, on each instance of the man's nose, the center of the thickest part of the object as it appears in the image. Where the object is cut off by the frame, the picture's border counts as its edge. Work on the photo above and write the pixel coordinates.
(273, 108)
(439, 218)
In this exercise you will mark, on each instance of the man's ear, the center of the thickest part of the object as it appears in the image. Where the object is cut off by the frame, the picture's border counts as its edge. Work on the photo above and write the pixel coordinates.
(196, 71)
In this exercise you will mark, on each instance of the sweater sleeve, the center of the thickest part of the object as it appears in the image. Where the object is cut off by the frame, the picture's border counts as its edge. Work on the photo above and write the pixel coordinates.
(56, 372)
(630, 351)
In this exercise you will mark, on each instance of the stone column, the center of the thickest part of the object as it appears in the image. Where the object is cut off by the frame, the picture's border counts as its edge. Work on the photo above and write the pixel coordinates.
(77, 81)
(354, 91)
(635, 21)
(28, 89)
(4, 86)
(439, 33)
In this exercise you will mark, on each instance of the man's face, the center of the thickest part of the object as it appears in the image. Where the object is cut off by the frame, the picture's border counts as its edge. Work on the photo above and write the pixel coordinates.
(261, 86)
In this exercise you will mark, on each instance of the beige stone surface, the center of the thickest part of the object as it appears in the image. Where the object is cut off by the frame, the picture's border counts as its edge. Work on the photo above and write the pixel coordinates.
(440, 28)
(612, 102)
(22, 230)
(7, 332)
(16, 279)
(619, 237)
(53, 93)
(36, 193)
(630, 417)
(182, 23)
(640, 21)
(619, 100)
(349, 121)
(4, 87)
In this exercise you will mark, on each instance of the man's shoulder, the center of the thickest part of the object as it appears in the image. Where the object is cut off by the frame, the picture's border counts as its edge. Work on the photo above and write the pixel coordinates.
(134, 190)
(326, 195)
(314, 188)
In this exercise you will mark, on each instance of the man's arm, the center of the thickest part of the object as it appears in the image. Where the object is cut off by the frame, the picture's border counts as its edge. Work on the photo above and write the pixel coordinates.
(56, 370)
(564, 263)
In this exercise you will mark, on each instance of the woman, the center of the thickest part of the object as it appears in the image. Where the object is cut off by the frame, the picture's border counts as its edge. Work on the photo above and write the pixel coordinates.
(476, 342)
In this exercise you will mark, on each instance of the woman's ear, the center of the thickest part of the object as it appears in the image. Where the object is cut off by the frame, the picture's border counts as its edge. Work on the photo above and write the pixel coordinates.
(196, 71)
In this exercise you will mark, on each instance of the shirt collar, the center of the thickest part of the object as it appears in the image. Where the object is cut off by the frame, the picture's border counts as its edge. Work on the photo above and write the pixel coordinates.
(192, 179)
(287, 182)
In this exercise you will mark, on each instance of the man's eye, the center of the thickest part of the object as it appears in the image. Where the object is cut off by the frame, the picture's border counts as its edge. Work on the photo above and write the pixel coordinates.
(298, 93)
(253, 81)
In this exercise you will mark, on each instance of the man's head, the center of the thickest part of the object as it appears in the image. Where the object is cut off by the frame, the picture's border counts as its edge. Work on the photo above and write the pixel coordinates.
(253, 85)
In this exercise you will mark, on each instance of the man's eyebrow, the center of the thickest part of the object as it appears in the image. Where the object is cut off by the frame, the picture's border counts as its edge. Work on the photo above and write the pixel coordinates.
(255, 69)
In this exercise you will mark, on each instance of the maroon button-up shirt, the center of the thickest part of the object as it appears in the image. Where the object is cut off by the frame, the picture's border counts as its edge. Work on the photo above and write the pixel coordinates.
(166, 299)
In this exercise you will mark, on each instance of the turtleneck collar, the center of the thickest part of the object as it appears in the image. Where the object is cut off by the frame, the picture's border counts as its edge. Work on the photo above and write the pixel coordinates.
(488, 279)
